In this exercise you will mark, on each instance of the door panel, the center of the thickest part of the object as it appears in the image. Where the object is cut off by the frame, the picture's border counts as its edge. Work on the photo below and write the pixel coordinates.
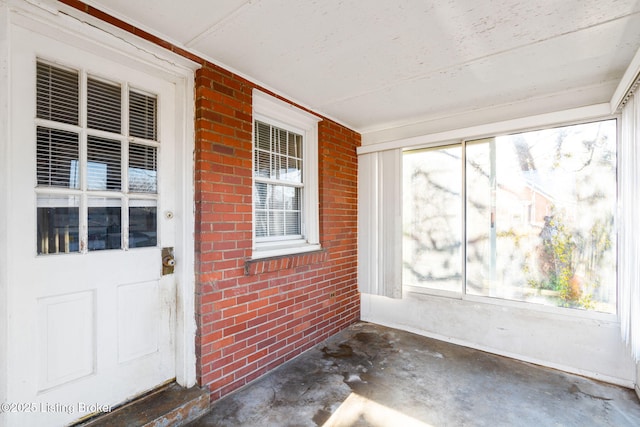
(66, 338)
(92, 318)
(138, 309)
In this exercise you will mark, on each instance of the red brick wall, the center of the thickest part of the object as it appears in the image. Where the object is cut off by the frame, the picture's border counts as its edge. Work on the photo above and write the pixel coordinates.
(255, 315)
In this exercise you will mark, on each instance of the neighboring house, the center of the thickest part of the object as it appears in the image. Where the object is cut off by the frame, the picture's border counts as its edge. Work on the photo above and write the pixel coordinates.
(164, 218)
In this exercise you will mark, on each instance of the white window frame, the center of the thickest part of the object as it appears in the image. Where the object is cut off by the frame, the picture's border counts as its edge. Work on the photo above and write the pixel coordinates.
(462, 292)
(460, 136)
(275, 112)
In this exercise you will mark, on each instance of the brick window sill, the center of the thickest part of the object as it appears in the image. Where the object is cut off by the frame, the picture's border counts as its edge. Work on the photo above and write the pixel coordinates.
(283, 262)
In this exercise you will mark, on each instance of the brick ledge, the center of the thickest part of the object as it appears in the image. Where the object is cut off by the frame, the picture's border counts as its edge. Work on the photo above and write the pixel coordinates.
(283, 262)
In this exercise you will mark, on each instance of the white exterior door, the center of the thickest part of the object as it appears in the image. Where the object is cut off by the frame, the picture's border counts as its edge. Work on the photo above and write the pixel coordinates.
(92, 317)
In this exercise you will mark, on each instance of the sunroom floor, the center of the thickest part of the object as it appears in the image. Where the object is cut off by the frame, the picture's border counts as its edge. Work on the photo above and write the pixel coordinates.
(370, 375)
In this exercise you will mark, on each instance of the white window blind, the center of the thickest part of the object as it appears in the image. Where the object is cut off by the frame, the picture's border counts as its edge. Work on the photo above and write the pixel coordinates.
(104, 106)
(143, 115)
(103, 164)
(629, 256)
(57, 94)
(83, 151)
(278, 182)
(57, 158)
(380, 224)
(143, 167)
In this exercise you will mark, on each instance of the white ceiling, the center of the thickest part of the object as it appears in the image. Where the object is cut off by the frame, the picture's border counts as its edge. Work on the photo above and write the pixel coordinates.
(379, 64)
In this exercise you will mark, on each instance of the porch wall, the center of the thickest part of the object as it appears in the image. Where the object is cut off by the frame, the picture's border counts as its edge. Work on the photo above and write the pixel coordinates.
(255, 315)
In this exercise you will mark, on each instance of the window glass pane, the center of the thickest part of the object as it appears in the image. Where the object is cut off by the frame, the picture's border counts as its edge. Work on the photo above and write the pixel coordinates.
(57, 94)
(57, 158)
(260, 195)
(104, 106)
(276, 160)
(478, 214)
(143, 115)
(278, 182)
(294, 171)
(276, 223)
(262, 150)
(103, 164)
(262, 228)
(58, 224)
(143, 167)
(104, 221)
(540, 217)
(292, 223)
(143, 229)
(262, 164)
(432, 210)
(277, 210)
(277, 153)
(294, 148)
(291, 198)
(263, 136)
(290, 163)
(276, 197)
(292, 218)
(278, 166)
(279, 140)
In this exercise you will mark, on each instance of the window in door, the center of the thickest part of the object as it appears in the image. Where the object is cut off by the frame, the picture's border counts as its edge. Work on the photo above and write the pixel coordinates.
(96, 163)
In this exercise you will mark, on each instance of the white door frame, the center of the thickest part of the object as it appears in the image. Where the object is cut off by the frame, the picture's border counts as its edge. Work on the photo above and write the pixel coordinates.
(74, 28)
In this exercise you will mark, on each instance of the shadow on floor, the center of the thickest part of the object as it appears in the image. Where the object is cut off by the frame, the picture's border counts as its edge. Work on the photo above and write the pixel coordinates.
(369, 375)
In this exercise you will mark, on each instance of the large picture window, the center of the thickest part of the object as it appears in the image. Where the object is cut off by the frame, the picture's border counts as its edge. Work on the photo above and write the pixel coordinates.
(536, 211)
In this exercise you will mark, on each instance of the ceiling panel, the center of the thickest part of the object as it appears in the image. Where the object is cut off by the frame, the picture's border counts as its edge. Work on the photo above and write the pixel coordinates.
(373, 64)
(577, 60)
(179, 21)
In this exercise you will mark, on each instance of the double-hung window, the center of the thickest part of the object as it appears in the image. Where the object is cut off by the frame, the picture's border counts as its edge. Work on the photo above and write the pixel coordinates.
(285, 178)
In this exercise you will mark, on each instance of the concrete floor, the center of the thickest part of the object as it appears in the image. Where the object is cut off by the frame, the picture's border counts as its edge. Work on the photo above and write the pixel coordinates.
(369, 375)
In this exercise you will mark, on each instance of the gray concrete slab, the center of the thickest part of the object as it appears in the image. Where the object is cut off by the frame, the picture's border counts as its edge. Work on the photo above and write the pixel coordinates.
(369, 375)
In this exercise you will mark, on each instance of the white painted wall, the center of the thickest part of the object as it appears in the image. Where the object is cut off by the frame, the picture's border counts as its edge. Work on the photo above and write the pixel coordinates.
(4, 132)
(588, 347)
(567, 100)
